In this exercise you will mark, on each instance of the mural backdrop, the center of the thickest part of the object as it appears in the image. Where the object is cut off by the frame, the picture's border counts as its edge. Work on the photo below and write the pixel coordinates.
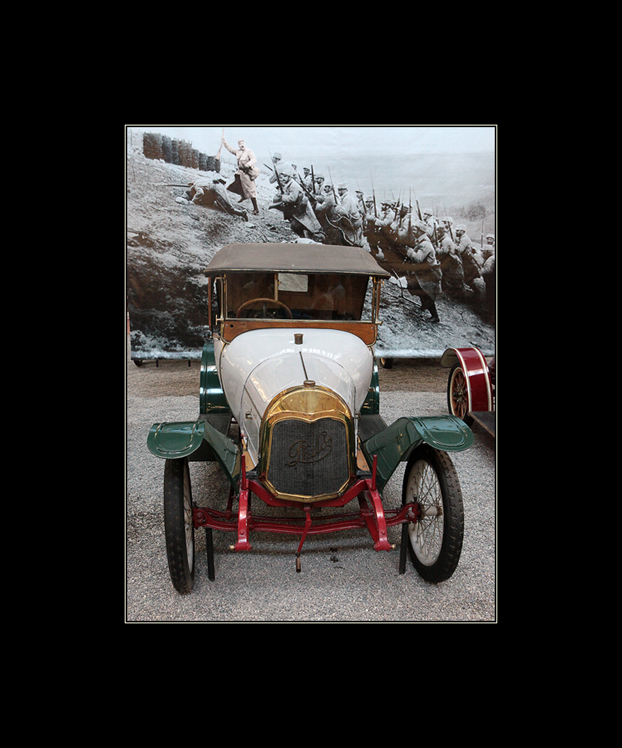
(421, 200)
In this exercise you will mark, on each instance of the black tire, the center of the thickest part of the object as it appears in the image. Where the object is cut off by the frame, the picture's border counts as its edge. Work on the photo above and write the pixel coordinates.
(435, 540)
(386, 363)
(178, 525)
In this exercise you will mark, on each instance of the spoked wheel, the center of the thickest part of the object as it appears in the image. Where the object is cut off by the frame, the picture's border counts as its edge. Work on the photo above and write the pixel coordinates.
(458, 394)
(178, 524)
(435, 540)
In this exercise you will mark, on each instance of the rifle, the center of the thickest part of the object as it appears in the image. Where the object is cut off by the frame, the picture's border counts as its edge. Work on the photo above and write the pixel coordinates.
(276, 171)
(313, 200)
(332, 184)
(171, 184)
(373, 192)
(312, 179)
(419, 210)
(451, 228)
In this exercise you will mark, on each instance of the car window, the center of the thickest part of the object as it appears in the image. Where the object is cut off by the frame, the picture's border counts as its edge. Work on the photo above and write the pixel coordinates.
(312, 296)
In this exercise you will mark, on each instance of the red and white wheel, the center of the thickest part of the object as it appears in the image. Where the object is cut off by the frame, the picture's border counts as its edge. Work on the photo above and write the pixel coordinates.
(458, 394)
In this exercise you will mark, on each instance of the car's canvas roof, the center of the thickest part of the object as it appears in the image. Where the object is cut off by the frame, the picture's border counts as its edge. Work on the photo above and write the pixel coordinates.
(294, 258)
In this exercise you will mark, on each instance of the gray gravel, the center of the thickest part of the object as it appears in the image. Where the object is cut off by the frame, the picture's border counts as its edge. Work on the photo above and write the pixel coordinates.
(342, 580)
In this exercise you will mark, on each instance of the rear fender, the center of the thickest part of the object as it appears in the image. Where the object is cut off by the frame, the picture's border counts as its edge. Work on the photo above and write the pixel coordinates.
(477, 375)
(197, 440)
(397, 441)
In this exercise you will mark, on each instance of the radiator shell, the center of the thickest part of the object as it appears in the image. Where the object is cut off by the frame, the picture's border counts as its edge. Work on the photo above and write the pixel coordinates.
(307, 445)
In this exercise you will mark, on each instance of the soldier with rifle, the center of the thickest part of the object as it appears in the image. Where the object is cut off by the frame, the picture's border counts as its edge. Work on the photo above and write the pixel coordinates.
(451, 263)
(210, 192)
(307, 180)
(448, 223)
(387, 231)
(431, 225)
(349, 217)
(369, 226)
(319, 180)
(326, 211)
(296, 208)
(472, 262)
(423, 271)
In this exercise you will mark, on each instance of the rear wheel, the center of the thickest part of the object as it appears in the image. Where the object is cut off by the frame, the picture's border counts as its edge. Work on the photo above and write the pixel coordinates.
(178, 524)
(435, 540)
(458, 394)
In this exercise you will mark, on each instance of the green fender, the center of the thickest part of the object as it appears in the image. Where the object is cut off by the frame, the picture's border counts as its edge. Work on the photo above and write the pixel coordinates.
(371, 406)
(395, 443)
(211, 396)
(197, 440)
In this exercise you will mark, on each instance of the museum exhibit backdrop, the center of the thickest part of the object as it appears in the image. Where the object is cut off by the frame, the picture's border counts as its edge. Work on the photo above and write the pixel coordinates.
(421, 200)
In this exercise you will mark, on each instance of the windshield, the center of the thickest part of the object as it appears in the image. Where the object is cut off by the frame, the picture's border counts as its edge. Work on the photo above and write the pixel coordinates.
(296, 296)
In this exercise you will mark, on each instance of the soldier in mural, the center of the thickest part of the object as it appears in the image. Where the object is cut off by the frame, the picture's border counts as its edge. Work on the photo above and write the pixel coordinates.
(489, 248)
(424, 271)
(209, 191)
(472, 262)
(247, 173)
(291, 199)
(348, 216)
(451, 264)
(327, 215)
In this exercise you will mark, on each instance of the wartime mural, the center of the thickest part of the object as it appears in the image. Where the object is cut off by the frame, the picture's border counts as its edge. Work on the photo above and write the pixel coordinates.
(421, 200)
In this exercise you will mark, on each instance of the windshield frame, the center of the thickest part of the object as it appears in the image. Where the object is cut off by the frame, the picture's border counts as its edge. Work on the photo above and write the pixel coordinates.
(225, 323)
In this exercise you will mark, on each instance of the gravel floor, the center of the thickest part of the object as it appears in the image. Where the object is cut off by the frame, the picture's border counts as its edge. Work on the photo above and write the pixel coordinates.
(343, 579)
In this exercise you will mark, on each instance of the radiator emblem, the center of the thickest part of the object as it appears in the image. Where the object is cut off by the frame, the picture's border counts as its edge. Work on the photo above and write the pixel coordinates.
(302, 451)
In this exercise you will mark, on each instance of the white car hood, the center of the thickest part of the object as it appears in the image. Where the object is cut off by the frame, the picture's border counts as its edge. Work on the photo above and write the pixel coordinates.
(258, 365)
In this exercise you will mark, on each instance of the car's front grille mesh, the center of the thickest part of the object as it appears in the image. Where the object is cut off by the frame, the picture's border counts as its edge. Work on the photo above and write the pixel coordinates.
(309, 458)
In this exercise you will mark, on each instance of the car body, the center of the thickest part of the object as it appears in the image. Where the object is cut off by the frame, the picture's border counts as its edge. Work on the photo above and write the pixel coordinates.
(291, 360)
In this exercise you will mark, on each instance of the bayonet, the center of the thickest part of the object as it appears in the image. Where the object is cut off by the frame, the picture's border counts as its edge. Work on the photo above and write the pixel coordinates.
(373, 192)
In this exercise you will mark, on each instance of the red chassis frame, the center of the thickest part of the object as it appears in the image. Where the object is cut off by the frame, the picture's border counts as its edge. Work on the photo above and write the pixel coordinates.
(371, 515)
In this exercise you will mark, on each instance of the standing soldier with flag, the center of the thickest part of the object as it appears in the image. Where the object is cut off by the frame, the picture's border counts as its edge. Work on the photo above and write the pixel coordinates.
(247, 173)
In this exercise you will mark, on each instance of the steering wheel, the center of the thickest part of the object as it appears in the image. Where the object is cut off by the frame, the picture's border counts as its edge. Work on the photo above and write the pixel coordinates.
(265, 303)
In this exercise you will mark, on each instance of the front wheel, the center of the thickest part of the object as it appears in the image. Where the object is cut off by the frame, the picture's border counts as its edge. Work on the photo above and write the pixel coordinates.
(178, 524)
(435, 540)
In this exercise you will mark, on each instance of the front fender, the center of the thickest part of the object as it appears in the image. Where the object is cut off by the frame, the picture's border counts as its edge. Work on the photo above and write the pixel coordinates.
(397, 441)
(198, 440)
(211, 396)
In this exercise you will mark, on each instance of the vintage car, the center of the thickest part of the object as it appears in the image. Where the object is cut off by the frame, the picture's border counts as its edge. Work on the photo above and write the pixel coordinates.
(471, 386)
(291, 360)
